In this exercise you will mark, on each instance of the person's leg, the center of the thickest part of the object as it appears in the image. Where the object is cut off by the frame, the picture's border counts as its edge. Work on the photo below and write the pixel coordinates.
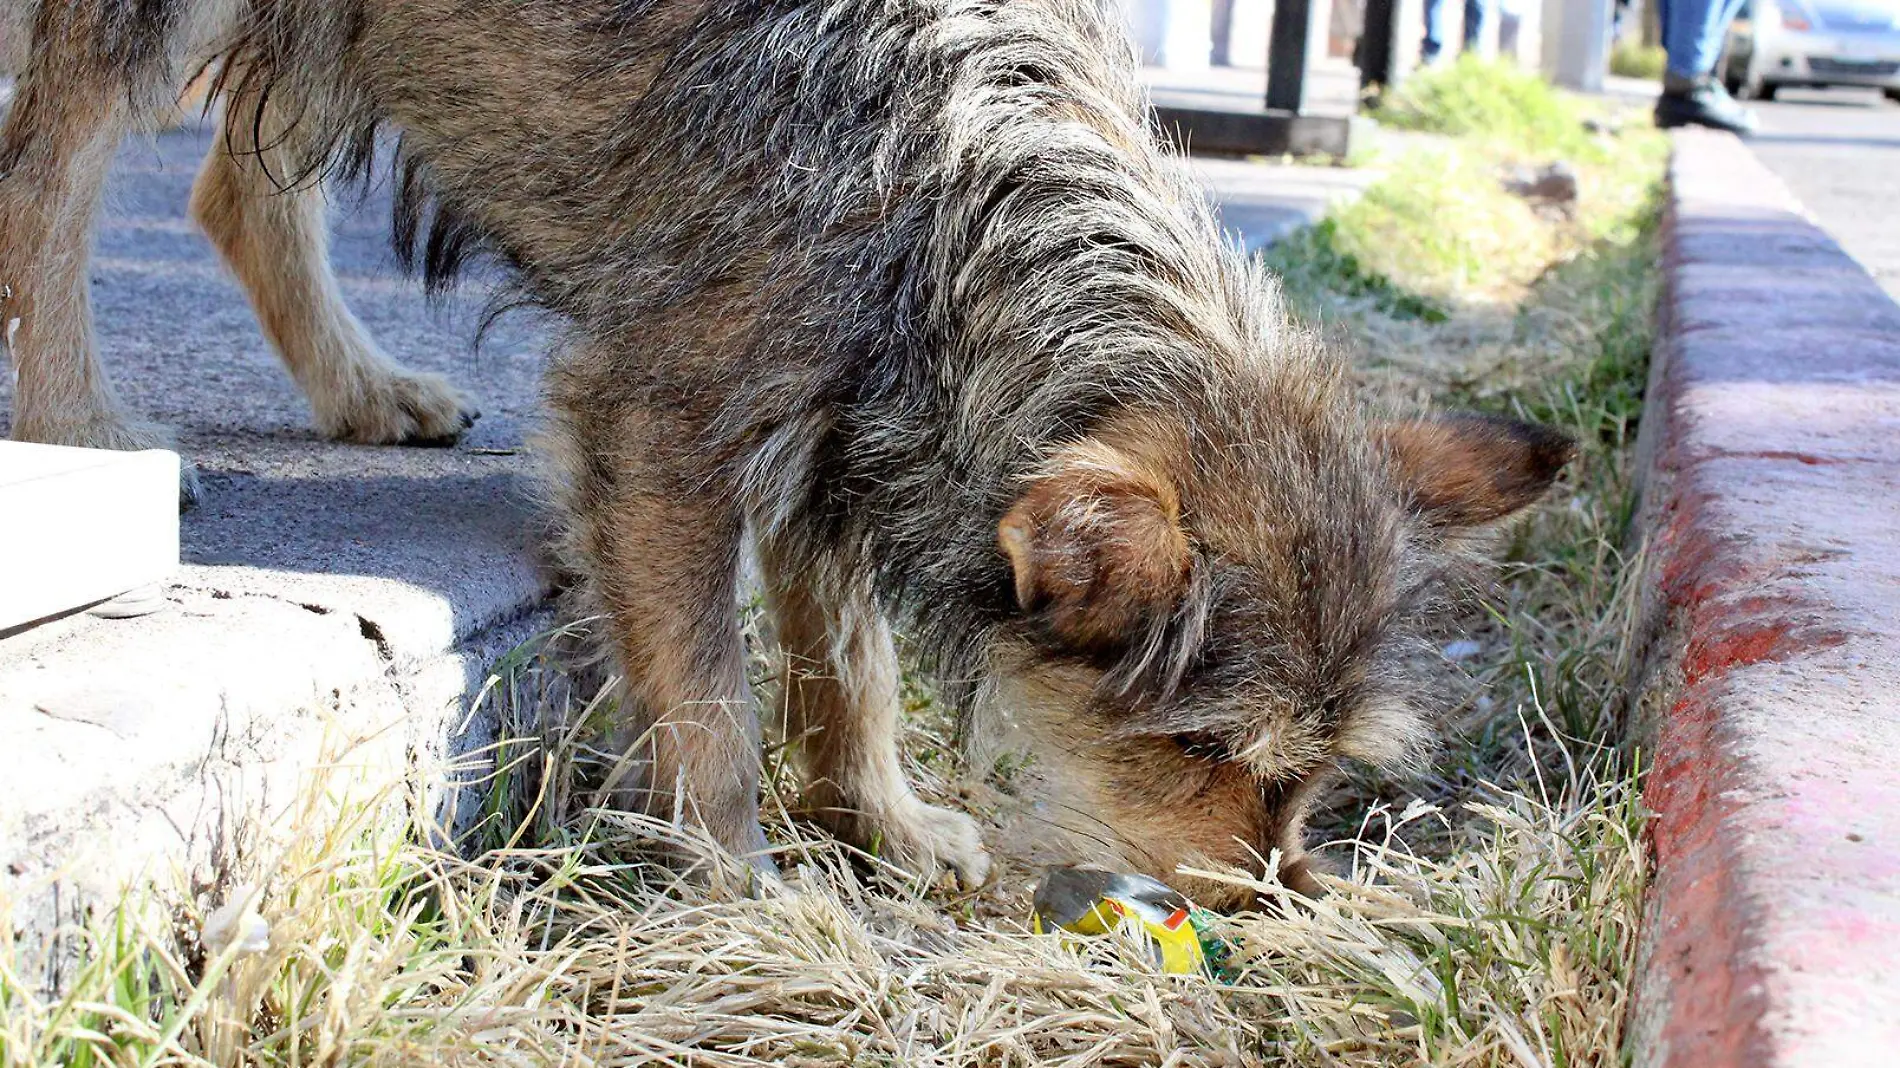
(1477, 14)
(1434, 43)
(1693, 35)
(1222, 54)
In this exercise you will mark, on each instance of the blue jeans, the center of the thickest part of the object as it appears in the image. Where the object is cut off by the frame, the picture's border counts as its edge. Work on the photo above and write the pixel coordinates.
(1693, 32)
(1477, 13)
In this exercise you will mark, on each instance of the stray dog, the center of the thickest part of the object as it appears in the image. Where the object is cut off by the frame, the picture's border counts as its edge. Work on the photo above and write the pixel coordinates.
(908, 290)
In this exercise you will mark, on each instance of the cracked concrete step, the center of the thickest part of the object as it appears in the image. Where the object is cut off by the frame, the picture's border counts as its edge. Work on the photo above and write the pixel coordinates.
(159, 746)
(331, 604)
(332, 597)
(314, 617)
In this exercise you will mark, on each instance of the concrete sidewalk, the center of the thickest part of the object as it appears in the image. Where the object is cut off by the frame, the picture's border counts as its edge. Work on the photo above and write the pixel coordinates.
(333, 597)
(1772, 506)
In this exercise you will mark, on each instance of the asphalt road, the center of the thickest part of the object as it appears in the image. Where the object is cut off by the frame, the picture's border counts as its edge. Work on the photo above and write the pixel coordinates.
(1839, 150)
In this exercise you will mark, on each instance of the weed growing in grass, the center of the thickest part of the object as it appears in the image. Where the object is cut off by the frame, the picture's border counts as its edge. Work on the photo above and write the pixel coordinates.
(1484, 912)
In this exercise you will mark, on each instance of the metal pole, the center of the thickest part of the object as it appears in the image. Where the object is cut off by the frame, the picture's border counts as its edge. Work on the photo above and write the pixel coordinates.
(1373, 55)
(1287, 55)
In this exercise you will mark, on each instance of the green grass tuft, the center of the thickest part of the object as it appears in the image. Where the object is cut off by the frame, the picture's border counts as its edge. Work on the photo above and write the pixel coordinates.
(1492, 103)
(1633, 59)
(1442, 221)
(1312, 262)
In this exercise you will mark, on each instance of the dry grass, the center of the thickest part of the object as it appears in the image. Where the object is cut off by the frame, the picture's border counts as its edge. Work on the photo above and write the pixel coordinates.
(383, 951)
(1483, 914)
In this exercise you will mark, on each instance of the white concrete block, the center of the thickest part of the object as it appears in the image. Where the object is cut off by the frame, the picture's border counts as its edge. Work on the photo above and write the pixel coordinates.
(1176, 34)
(1189, 42)
(81, 525)
(1576, 42)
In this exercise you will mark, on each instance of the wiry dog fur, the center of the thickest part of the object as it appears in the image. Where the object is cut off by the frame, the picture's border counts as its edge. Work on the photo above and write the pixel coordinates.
(908, 289)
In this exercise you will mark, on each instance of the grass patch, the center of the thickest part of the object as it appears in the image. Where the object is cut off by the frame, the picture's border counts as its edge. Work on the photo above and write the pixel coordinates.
(1485, 913)
(1496, 105)
(1630, 58)
(1441, 231)
(1439, 221)
(384, 951)
(1313, 264)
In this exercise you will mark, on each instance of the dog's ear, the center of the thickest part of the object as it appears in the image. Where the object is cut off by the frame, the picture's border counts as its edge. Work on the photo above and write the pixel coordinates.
(1467, 470)
(1096, 546)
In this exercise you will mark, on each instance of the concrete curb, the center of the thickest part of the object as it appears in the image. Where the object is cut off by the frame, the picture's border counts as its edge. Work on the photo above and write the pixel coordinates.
(1771, 504)
(168, 750)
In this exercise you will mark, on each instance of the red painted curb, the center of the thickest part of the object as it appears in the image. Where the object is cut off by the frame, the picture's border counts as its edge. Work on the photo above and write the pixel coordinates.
(1772, 513)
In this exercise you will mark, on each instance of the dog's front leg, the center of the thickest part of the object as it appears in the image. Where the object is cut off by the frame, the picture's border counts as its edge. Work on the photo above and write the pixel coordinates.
(654, 542)
(840, 689)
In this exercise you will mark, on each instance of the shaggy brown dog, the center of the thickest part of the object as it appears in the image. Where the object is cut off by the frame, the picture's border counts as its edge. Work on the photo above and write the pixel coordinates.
(907, 289)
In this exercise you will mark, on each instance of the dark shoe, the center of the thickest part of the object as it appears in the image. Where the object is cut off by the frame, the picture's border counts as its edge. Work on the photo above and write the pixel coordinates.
(1701, 102)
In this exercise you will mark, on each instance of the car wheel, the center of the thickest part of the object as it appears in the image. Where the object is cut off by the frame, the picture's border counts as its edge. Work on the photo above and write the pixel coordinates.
(1766, 91)
(1893, 95)
(1734, 75)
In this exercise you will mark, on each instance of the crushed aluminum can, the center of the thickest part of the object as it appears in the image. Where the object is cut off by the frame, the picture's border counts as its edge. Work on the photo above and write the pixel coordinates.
(1090, 901)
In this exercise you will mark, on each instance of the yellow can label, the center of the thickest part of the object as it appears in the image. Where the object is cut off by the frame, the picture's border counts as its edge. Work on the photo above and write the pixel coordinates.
(1176, 942)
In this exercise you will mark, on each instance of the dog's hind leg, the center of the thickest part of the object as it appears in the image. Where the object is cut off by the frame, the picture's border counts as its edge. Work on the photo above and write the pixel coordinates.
(270, 228)
(839, 685)
(69, 113)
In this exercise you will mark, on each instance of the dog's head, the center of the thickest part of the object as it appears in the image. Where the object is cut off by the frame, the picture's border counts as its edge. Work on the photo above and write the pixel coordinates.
(1212, 613)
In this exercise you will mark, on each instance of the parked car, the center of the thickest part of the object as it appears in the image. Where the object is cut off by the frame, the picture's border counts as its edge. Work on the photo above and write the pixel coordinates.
(1776, 43)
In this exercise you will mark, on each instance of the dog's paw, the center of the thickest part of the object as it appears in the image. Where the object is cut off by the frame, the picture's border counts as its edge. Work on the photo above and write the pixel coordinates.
(926, 840)
(397, 407)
